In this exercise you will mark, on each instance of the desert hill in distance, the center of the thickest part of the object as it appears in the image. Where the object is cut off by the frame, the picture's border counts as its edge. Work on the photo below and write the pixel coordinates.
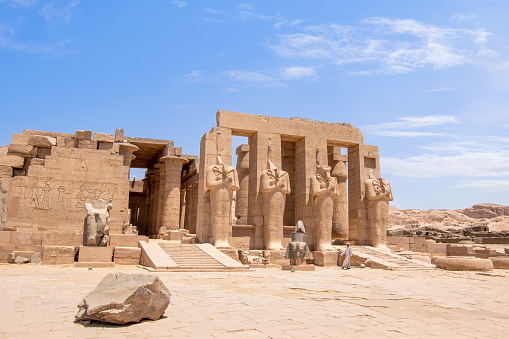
(489, 217)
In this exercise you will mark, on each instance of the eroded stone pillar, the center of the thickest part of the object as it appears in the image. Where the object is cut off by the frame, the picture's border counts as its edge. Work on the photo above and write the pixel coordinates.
(160, 198)
(189, 208)
(340, 216)
(154, 201)
(170, 211)
(222, 180)
(378, 194)
(324, 188)
(194, 209)
(243, 192)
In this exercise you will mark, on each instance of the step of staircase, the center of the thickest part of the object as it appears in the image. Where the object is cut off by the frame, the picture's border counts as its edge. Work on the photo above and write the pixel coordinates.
(187, 257)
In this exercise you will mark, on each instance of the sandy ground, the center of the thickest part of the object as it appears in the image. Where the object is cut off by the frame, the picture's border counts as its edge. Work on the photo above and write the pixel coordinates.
(40, 302)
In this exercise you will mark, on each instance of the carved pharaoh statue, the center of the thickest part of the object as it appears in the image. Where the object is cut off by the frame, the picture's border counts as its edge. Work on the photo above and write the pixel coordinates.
(324, 189)
(97, 223)
(298, 250)
(275, 185)
(222, 181)
(379, 193)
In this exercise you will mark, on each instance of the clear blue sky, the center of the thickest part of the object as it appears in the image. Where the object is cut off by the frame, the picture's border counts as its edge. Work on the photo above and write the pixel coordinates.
(426, 81)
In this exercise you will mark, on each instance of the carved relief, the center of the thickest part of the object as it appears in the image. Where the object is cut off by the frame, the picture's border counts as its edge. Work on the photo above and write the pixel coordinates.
(379, 193)
(3, 202)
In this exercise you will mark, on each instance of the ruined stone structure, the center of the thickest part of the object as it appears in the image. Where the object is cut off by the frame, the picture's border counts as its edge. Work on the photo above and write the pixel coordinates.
(289, 170)
(328, 198)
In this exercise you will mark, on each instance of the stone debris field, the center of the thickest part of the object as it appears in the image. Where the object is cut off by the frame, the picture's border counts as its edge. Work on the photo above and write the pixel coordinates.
(40, 302)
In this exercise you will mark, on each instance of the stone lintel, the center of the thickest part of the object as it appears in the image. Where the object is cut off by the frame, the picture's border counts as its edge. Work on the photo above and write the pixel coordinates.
(247, 124)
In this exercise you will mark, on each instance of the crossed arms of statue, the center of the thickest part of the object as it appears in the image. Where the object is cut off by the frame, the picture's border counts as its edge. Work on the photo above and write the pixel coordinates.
(378, 188)
(217, 175)
(272, 180)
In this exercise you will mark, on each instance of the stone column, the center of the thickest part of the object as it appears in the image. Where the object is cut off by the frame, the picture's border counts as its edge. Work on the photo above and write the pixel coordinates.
(194, 209)
(305, 168)
(126, 149)
(170, 211)
(146, 210)
(154, 202)
(243, 193)
(160, 198)
(183, 205)
(189, 208)
(361, 160)
(258, 157)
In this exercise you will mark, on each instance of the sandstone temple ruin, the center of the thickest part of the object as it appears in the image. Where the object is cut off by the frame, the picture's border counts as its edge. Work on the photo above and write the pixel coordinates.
(289, 170)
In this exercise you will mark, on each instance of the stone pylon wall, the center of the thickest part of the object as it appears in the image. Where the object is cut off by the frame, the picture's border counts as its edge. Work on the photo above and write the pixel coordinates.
(51, 196)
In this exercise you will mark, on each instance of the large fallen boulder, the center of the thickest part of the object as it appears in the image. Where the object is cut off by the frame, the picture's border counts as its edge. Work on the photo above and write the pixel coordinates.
(125, 298)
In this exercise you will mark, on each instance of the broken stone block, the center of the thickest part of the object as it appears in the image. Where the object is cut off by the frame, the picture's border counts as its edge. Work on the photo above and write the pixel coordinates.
(125, 298)
(12, 160)
(27, 150)
(42, 153)
(21, 260)
(21, 139)
(95, 254)
(83, 135)
(121, 240)
(127, 255)
(58, 255)
(5, 171)
(86, 144)
(42, 141)
(463, 263)
(103, 137)
(20, 173)
(36, 258)
(106, 146)
(37, 162)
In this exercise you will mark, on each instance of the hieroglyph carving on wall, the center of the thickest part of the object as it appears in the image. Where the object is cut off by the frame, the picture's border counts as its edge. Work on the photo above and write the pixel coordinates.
(275, 184)
(97, 223)
(222, 181)
(324, 189)
(3, 203)
(378, 193)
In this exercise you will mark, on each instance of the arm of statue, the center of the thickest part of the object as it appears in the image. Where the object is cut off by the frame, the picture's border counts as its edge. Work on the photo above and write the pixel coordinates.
(268, 184)
(211, 180)
(315, 187)
(233, 180)
(285, 183)
(333, 186)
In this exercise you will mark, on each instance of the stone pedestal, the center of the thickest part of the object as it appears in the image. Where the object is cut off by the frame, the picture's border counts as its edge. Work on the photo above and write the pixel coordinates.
(95, 254)
(326, 258)
(58, 255)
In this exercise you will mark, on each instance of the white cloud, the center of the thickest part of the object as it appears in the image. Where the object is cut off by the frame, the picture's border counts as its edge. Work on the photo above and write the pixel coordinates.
(58, 11)
(179, 3)
(416, 122)
(485, 185)
(252, 78)
(506, 126)
(24, 3)
(442, 89)
(457, 18)
(212, 11)
(297, 72)
(467, 164)
(402, 134)
(397, 46)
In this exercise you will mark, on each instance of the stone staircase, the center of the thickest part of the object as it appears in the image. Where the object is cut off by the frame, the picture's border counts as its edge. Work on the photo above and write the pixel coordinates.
(384, 258)
(161, 255)
(190, 257)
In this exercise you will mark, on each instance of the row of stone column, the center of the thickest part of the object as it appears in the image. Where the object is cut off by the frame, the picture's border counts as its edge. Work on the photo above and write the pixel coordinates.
(163, 193)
